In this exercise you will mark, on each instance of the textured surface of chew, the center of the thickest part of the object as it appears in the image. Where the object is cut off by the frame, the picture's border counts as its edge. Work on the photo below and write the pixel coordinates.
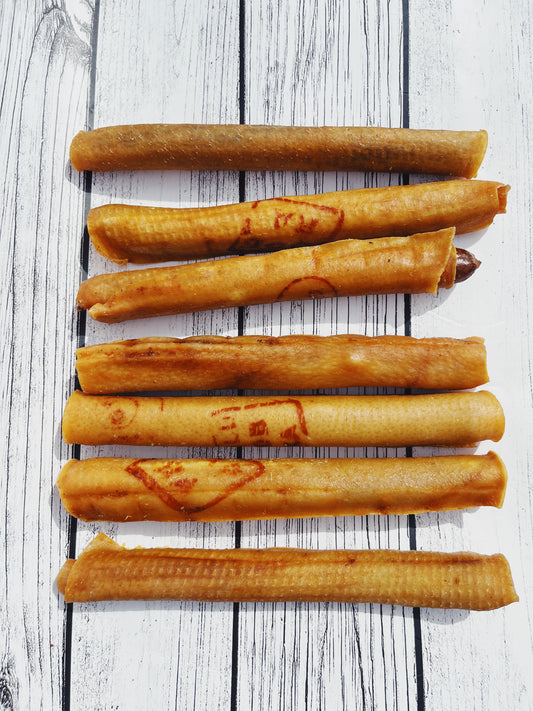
(416, 264)
(284, 363)
(152, 234)
(237, 147)
(106, 571)
(322, 420)
(116, 489)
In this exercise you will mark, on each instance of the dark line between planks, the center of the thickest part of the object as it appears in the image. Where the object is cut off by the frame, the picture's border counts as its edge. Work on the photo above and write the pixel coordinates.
(240, 331)
(81, 329)
(417, 626)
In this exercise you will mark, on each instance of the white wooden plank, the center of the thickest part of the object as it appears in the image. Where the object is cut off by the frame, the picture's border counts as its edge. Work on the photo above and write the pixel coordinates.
(44, 56)
(324, 63)
(176, 64)
(465, 86)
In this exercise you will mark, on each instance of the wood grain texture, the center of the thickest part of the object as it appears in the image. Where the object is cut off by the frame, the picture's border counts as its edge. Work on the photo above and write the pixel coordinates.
(491, 666)
(46, 60)
(80, 64)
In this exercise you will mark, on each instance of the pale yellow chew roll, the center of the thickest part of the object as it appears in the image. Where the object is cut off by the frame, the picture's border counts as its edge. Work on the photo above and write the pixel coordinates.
(139, 234)
(107, 571)
(125, 489)
(295, 362)
(316, 421)
(415, 264)
(244, 147)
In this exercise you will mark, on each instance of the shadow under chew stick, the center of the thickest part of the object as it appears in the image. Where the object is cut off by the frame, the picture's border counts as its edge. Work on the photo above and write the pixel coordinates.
(419, 263)
(237, 147)
(106, 571)
(296, 362)
(142, 235)
(125, 489)
(452, 419)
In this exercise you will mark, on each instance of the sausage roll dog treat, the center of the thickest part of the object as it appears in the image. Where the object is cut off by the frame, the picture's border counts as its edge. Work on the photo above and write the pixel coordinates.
(237, 147)
(420, 263)
(296, 362)
(116, 489)
(130, 233)
(452, 419)
(107, 571)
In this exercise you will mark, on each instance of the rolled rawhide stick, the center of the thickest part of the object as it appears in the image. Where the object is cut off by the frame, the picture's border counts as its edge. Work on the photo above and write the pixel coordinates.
(107, 571)
(452, 419)
(121, 489)
(237, 147)
(131, 233)
(417, 264)
(296, 362)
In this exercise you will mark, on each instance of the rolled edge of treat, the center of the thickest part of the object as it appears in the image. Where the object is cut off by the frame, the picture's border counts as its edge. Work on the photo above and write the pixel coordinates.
(177, 490)
(258, 147)
(448, 419)
(143, 234)
(419, 263)
(107, 571)
(296, 362)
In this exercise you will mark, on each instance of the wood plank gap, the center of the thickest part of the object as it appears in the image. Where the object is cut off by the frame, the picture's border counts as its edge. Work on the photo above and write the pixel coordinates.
(240, 331)
(417, 627)
(81, 330)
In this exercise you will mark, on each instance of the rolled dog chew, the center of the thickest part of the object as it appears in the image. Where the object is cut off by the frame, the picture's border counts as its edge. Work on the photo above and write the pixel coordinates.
(296, 362)
(117, 489)
(107, 571)
(417, 264)
(237, 147)
(454, 419)
(131, 233)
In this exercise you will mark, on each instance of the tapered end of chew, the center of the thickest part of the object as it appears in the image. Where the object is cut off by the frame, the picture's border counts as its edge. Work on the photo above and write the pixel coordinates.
(466, 264)
(63, 576)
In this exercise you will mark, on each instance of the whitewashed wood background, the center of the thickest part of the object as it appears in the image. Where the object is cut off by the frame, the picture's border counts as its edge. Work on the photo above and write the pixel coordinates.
(75, 64)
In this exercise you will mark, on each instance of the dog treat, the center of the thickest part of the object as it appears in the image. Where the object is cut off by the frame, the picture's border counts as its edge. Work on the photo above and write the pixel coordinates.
(116, 489)
(296, 362)
(452, 419)
(107, 571)
(142, 235)
(417, 264)
(237, 147)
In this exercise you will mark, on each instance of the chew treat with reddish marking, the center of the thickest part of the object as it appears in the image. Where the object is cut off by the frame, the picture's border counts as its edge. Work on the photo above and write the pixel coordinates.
(116, 489)
(107, 571)
(417, 264)
(238, 147)
(454, 419)
(296, 362)
(142, 235)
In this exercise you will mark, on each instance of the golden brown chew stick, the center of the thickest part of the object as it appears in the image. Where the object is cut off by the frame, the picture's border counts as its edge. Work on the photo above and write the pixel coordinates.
(142, 235)
(416, 264)
(286, 363)
(115, 489)
(237, 147)
(107, 571)
(324, 420)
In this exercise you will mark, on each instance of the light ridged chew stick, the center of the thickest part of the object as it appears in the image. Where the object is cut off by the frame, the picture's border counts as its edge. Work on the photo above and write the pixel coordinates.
(452, 419)
(142, 235)
(417, 264)
(237, 147)
(121, 489)
(107, 571)
(284, 363)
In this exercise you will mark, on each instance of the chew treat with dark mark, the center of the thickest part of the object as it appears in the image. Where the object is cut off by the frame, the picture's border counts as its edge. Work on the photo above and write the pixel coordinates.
(130, 233)
(454, 419)
(238, 147)
(115, 489)
(107, 571)
(419, 263)
(295, 362)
